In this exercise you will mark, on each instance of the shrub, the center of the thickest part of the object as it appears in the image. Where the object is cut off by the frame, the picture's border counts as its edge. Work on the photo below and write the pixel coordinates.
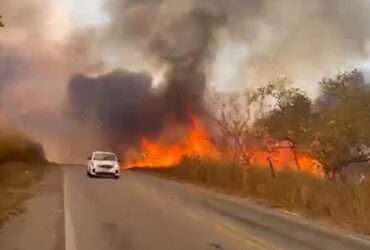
(15, 147)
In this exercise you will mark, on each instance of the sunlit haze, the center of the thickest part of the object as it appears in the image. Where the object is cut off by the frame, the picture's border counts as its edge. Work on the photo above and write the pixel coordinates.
(84, 12)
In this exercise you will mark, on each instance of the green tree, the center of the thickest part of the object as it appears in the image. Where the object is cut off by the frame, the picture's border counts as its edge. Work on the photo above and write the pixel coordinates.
(290, 116)
(334, 128)
(341, 130)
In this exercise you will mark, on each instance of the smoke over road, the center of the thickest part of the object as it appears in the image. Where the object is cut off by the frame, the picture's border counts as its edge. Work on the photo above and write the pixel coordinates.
(38, 54)
(67, 71)
(126, 104)
(120, 102)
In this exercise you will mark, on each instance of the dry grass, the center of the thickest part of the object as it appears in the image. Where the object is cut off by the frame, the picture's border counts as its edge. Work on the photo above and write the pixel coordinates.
(343, 204)
(22, 162)
(16, 180)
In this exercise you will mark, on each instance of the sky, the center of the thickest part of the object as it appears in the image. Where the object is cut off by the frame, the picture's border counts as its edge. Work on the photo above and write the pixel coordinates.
(84, 12)
(90, 13)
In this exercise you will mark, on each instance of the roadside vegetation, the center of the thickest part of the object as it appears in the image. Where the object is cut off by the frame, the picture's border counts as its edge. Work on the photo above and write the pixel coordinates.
(22, 162)
(332, 128)
(344, 204)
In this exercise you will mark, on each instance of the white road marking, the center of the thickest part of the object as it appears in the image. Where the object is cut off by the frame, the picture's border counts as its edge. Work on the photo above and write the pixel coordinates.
(70, 243)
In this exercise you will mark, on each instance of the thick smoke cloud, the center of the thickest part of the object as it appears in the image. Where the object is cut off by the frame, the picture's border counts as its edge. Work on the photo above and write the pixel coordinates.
(34, 60)
(178, 36)
(300, 39)
(290, 37)
(120, 103)
(49, 66)
(308, 39)
(38, 54)
(127, 105)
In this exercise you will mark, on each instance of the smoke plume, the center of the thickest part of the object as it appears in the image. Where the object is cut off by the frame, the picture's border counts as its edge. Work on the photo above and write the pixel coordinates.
(126, 104)
(300, 39)
(185, 37)
(121, 103)
(57, 79)
(38, 55)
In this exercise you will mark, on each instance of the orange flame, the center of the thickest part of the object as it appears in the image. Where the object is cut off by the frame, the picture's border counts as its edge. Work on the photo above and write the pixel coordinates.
(164, 154)
(286, 159)
(196, 141)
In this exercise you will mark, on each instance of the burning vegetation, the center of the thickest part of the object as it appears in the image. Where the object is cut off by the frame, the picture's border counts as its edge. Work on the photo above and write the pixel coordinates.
(295, 126)
(195, 141)
(148, 121)
(132, 82)
(141, 84)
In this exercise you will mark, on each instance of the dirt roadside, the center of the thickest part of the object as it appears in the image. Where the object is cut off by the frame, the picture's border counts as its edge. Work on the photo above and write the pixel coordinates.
(41, 224)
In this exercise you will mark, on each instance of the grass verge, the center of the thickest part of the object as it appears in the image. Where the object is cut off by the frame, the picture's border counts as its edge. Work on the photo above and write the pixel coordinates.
(16, 182)
(22, 163)
(346, 205)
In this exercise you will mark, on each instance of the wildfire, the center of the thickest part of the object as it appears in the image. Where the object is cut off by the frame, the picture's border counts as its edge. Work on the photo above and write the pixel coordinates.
(196, 141)
(286, 158)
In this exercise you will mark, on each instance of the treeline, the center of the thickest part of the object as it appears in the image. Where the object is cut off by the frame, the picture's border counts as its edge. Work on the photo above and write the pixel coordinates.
(22, 163)
(332, 128)
(15, 147)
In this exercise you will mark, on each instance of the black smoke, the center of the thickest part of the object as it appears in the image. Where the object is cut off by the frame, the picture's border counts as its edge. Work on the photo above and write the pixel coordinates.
(126, 105)
(121, 103)
(184, 37)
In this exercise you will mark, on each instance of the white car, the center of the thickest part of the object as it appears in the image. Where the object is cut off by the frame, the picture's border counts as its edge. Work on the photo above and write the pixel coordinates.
(103, 164)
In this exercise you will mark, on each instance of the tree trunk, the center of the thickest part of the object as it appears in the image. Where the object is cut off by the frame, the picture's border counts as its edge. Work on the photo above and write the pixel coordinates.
(296, 158)
(235, 153)
(271, 165)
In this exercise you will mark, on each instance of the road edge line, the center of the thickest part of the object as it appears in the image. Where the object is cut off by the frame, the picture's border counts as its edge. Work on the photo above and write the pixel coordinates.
(69, 234)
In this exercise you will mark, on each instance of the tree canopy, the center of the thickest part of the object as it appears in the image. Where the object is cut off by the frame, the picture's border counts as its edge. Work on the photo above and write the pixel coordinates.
(334, 128)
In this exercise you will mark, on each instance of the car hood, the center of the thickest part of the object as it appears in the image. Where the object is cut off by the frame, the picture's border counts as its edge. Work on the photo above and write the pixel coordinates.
(111, 163)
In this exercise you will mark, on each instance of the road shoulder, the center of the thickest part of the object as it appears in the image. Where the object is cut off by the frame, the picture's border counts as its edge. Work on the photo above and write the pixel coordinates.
(274, 225)
(41, 225)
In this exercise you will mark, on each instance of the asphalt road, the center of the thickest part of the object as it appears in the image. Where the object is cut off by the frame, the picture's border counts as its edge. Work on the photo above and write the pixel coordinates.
(141, 212)
(133, 214)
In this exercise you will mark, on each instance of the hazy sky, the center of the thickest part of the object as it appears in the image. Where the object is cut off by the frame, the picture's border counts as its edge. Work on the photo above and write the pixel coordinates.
(84, 11)
(89, 12)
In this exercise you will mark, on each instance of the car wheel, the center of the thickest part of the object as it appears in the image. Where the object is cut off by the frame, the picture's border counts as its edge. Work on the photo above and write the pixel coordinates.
(116, 177)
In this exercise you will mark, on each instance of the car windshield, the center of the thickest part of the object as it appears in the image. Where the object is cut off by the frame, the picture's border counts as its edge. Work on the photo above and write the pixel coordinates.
(104, 157)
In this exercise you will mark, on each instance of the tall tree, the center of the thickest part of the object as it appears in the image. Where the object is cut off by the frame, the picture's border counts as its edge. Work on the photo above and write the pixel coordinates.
(342, 134)
(334, 128)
